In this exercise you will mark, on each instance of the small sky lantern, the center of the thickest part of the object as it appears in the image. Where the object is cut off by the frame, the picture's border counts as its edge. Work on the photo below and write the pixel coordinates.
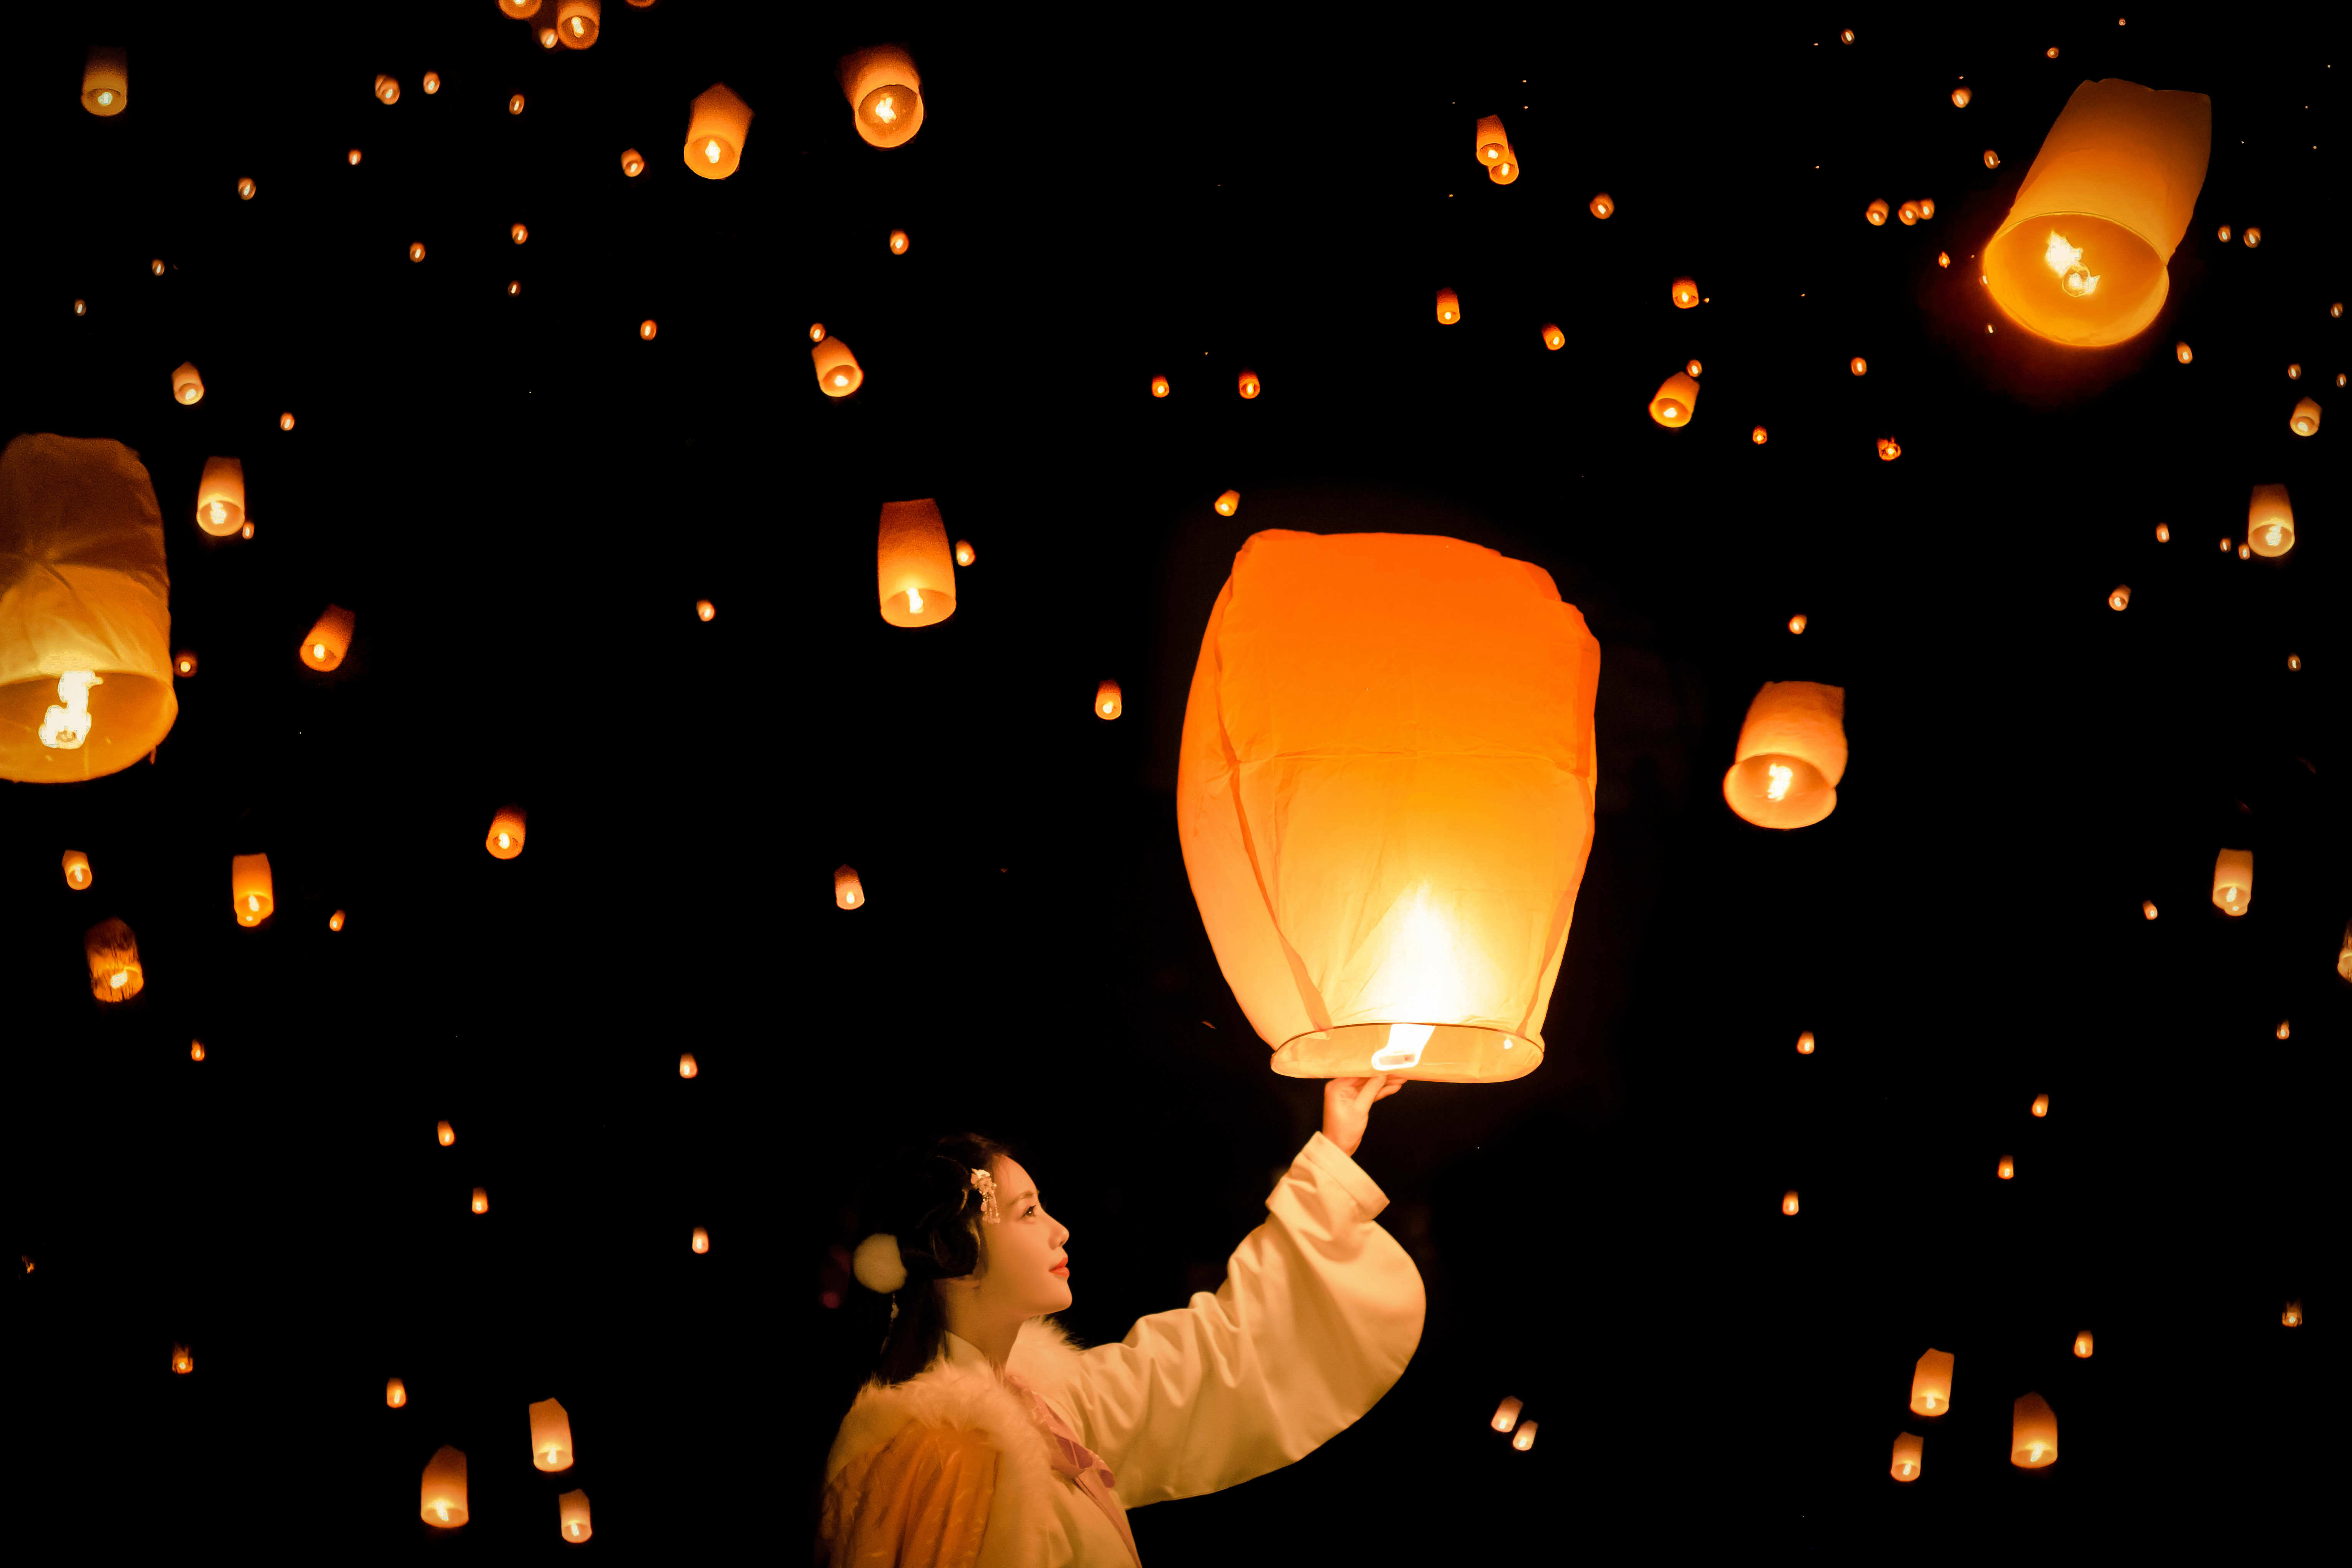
(1909, 212)
(964, 554)
(2294, 372)
(416, 250)
(1992, 159)
(2293, 661)
(632, 162)
(1797, 624)
(647, 329)
(1805, 1044)
(2120, 597)
(1553, 338)
(2233, 881)
(2283, 1030)
(515, 286)
(1506, 1414)
(1931, 1384)
(245, 189)
(2254, 237)
(329, 638)
(1788, 1201)
(76, 869)
(718, 122)
(187, 386)
(195, 1050)
(1449, 306)
(481, 1200)
(1686, 293)
(520, 10)
(335, 921)
(514, 104)
(838, 373)
(2032, 1433)
(1926, 205)
(445, 1134)
(2006, 1169)
(1888, 449)
(1758, 435)
(2270, 521)
(2292, 1314)
(105, 81)
(1790, 754)
(2224, 232)
(701, 1242)
(1943, 258)
(1859, 365)
(550, 1435)
(353, 157)
(576, 22)
(252, 891)
(246, 531)
(704, 609)
(1249, 383)
(914, 571)
(1601, 206)
(886, 94)
(2227, 543)
(1385, 770)
(443, 1501)
(156, 267)
(1524, 1438)
(1691, 369)
(816, 332)
(1504, 172)
(286, 421)
(2148, 908)
(115, 974)
(519, 233)
(1494, 146)
(2305, 420)
(848, 892)
(898, 242)
(432, 83)
(186, 661)
(2163, 533)
(506, 835)
(183, 1360)
(1876, 213)
(2082, 255)
(547, 37)
(2181, 352)
(2336, 308)
(572, 1513)
(81, 307)
(1676, 401)
(395, 1392)
(2041, 1105)
(1229, 503)
(1159, 386)
(1907, 1457)
(2051, 53)
(2082, 1345)
(687, 1067)
(387, 90)
(220, 497)
(1109, 704)
(1960, 97)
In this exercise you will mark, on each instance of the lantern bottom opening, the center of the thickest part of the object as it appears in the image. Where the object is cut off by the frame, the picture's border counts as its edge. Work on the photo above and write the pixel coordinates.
(1804, 798)
(129, 714)
(2131, 279)
(1453, 1053)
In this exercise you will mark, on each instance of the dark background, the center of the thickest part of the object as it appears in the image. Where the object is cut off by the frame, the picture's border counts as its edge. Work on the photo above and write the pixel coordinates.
(521, 503)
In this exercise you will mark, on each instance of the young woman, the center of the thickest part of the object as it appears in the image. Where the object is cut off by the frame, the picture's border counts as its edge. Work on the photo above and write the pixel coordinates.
(988, 1439)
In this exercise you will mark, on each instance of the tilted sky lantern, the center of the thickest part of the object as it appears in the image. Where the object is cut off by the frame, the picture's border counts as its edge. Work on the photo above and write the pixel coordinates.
(572, 1515)
(1524, 1438)
(1228, 503)
(1788, 1201)
(1675, 400)
(444, 1496)
(187, 383)
(1790, 756)
(687, 1067)
(115, 974)
(106, 81)
(1506, 1414)
(395, 1392)
(444, 1134)
(885, 95)
(2305, 420)
(1384, 799)
(252, 890)
(550, 1435)
(481, 1203)
(577, 22)
(914, 569)
(838, 373)
(1493, 145)
(2041, 1106)
(2080, 260)
(2233, 881)
(1686, 293)
(632, 162)
(76, 869)
(329, 638)
(848, 890)
(2082, 1345)
(1931, 1384)
(2270, 520)
(2032, 1433)
(1877, 213)
(1907, 1457)
(220, 497)
(717, 124)
(1601, 206)
(506, 835)
(85, 612)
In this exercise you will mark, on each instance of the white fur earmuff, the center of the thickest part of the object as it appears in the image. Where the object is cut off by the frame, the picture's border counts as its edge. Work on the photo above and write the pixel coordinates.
(877, 1265)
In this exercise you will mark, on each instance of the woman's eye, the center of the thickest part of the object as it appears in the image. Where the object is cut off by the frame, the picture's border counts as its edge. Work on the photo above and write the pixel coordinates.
(1033, 1209)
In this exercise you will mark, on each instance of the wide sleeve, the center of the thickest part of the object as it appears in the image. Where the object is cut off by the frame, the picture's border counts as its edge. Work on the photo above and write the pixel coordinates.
(920, 1500)
(1319, 1314)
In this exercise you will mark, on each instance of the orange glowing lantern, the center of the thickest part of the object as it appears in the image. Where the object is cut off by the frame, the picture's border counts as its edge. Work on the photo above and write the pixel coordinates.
(701, 1242)
(1797, 624)
(1229, 503)
(286, 421)
(1876, 213)
(1524, 1438)
(1553, 338)
(156, 267)
(632, 162)
(519, 233)
(2293, 661)
(1159, 386)
(914, 571)
(2041, 1105)
(1931, 1384)
(2120, 597)
(964, 554)
(1676, 401)
(1905, 1466)
(395, 1392)
(577, 21)
(704, 609)
(1805, 1044)
(446, 1133)
(1960, 96)
(514, 104)
(186, 661)
(115, 974)
(548, 38)
(2305, 420)
(252, 893)
(443, 1501)
(2283, 1030)
(2233, 881)
(1943, 258)
(432, 82)
(1691, 369)
(1888, 449)
(2254, 238)
(353, 157)
(1685, 294)
(2337, 309)
(481, 1200)
(2291, 1315)
(2032, 1433)
(2082, 1345)
(195, 1050)
(686, 1066)
(2226, 544)
(1859, 365)
(335, 921)
(838, 373)
(2006, 1169)
(1384, 800)
(1788, 1201)
(81, 307)
(387, 90)
(1909, 212)
(187, 386)
(515, 286)
(572, 1513)
(550, 1435)
(885, 92)
(220, 497)
(2163, 533)
(1757, 436)
(329, 638)
(76, 869)
(2225, 234)
(1249, 383)
(506, 835)
(245, 189)
(1506, 1414)
(898, 242)
(2052, 52)
(416, 250)
(647, 329)
(105, 81)
(1992, 159)
(1108, 702)
(2294, 372)
(1601, 206)
(2148, 908)
(2270, 520)
(1846, 37)
(848, 892)
(182, 1360)
(520, 10)
(1790, 756)
(1449, 306)
(1493, 145)
(2180, 351)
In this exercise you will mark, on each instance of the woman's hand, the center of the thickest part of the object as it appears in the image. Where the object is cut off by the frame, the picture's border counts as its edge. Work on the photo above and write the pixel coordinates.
(1347, 1102)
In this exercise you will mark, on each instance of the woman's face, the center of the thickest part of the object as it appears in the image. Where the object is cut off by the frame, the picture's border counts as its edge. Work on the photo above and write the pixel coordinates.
(1019, 1252)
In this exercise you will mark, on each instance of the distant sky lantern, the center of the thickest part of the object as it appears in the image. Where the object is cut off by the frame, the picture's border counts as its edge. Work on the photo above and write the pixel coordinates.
(329, 639)
(1229, 503)
(506, 835)
(838, 373)
(1506, 1414)
(432, 82)
(1931, 1384)
(1790, 756)
(2292, 1314)
(2081, 258)
(115, 974)
(195, 1050)
(156, 267)
(1805, 1044)
(416, 250)
(548, 36)
(187, 386)
(2305, 420)
(1249, 383)
(519, 233)
(1907, 1457)
(1504, 172)
(1449, 306)
(81, 307)
(2163, 533)
(1384, 800)
(183, 1360)
(286, 421)
(252, 890)
(1859, 365)
(520, 10)
(2233, 881)
(2181, 352)
(2270, 520)
(353, 156)
(481, 1204)
(1691, 368)
(1685, 294)
(632, 162)
(2006, 1169)
(1926, 205)
(1909, 212)
(848, 892)
(1524, 1438)
(718, 122)
(2283, 1030)
(1877, 213)
(515, 286)
(816, 332)
(1960, 97)
(964, 554)
(2148, 908)
(2226, 544)
(1553, 337)
(576, 22)
(2041, 1105)
(335, 921)
(704, 609)
(387, 90)
(1601, 206)
(1788, 1201)
(395, 1392)
(2336, 308)
(220, 497)
(2120, 597)
(647, 329)
(898, 242)
(514, 104)
(1888, 449)
(2254, 237)
(550, 1435)
(2082, 1345)
(76, 869)
(186, 661)
(245, 189)
(572, 1514)
(2293, 662)
(2032, 1433)
(702, 1239)
(444, 1134)
(1494, 146)
(1797, 624)
(2224, 232)
(1109, 704)
(1992, 159)
(885, 93)
(443, 1501)
(1159, 386)
(687, 1067)
(1758, 435)
(914, 571)
(1675, 400)
(105, 81)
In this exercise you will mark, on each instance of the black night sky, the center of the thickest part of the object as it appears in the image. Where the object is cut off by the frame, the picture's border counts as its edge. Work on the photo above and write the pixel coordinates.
(521, 502)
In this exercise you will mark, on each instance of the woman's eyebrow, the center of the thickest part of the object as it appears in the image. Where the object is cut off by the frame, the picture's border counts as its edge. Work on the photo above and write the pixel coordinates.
(1026, 1193)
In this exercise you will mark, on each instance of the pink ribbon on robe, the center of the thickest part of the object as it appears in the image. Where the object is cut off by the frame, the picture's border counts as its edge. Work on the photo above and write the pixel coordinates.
(1079, 1463)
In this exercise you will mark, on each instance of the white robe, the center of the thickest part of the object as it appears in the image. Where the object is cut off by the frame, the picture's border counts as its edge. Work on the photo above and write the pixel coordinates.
(1319, 1314)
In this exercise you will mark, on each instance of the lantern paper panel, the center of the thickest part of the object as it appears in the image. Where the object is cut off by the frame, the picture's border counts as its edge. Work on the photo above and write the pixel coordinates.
(885, 93)
(1384, 800)
(253, 892)
(717, 124)
(2033, 1433)
(2270, 520)
(2233, 881)
(329, 638)
(106, 81)
(114, 954)
(1931, 1384)
(550, 1435)
(84, 615)
(2081, 257)
(914, 568)
(838, 373)
(1790, 756)
(443, 1503)
(1908, 1450)
(572, 1516)
(505, 838)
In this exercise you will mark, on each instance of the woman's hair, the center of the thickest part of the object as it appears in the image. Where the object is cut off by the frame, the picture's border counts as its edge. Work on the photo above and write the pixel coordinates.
(925, 1198)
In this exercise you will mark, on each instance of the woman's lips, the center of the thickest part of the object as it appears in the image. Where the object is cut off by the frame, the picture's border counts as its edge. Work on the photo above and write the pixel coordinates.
(1064, 1271)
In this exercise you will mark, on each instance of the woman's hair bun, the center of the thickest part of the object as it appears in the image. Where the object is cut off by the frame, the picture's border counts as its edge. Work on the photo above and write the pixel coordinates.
(877, 1265)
